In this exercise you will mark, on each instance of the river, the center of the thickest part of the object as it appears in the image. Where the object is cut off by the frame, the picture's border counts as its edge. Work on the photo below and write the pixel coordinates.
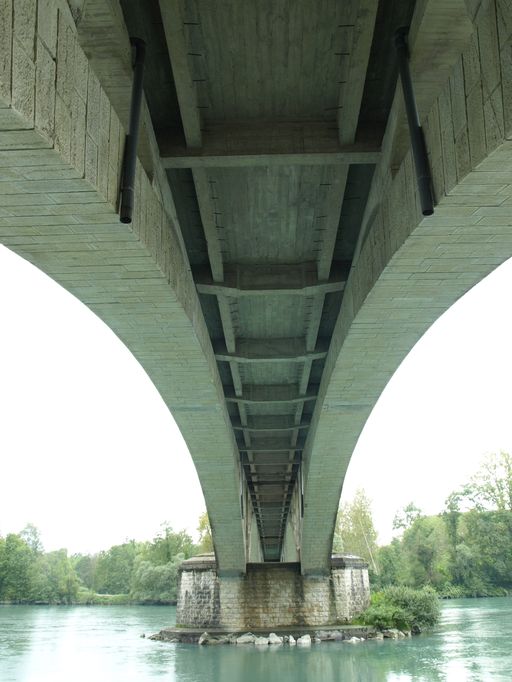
(104, 644)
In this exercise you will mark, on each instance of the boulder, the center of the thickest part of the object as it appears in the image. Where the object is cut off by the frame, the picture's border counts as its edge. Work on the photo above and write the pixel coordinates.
(261, 641)
(204, 639)
(291, 640)
(274, 639)
(305, 640)
(393, 633)
(248, 638)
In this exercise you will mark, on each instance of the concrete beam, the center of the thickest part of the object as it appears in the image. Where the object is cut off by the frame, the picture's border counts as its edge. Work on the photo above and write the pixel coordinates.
(271, 445)
(185, 89)
(286, 393)
(268, 280)
(351, 92)
(205, 201)
(271, 423)
(271, 350)
(275, 144)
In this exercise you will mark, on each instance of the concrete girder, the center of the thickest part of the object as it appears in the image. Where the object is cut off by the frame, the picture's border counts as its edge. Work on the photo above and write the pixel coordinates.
(271, 350)
(271, 394)
(279, 144)
(268, 280)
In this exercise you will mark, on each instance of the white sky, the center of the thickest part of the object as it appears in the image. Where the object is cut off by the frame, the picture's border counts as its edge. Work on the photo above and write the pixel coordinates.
(91, 455)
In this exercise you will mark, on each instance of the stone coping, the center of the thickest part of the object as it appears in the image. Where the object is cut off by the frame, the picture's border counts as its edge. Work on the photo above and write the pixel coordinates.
(207, 562)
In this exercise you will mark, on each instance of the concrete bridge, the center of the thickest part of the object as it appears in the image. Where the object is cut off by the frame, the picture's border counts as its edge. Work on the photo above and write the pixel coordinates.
(278, 268)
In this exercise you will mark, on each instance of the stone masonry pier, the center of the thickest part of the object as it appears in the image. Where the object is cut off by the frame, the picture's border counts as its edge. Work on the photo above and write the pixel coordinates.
(270, 595)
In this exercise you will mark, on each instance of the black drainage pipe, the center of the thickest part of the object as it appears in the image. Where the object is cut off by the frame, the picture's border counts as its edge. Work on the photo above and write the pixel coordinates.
(130, 149)
(419, 149)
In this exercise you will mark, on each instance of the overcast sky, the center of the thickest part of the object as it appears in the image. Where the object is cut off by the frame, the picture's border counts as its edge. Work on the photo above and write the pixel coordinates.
(91, 455)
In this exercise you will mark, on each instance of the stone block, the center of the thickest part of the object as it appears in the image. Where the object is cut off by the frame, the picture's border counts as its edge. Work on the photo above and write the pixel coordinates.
(23, 83)
(504, 20)
(24, 25)
(489, 51)
(66, 41)
(462, 155)
(471, 62)
(62, 129)
(91, 160)
(78, 117)
(447, 139)
(93, 106)
(45, 92)
(476, 126)
(506, 89)
(5, 52)
(458, 98)
(493, 119)
(47, 19)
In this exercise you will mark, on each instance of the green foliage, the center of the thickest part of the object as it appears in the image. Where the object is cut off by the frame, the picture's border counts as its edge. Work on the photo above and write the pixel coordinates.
(403, 608)
(458, 553)
(155, 584)
(143, 572)
(205, 534)
(354, 532)
(113, 569)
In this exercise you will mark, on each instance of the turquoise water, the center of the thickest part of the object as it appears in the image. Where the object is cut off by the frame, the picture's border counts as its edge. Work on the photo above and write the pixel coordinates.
(104, 644)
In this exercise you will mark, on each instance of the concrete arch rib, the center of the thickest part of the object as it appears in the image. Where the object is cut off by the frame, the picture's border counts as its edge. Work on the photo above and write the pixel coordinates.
(60, 170)
(410, 270)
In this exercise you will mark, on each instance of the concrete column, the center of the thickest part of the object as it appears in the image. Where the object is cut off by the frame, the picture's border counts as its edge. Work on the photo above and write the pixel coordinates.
(270, 595)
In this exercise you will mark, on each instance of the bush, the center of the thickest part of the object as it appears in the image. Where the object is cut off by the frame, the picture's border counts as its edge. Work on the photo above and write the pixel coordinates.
(403, 608)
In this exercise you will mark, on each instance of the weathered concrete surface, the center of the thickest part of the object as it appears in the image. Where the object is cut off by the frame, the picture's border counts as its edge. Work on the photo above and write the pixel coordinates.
(61, 144)
(410, 270)
(270, 595)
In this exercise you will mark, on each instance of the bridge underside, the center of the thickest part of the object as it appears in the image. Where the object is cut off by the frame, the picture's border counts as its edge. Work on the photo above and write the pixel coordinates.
(278, 269)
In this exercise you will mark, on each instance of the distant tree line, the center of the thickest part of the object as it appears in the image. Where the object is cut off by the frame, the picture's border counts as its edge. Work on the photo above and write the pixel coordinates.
(466, 550)
(132, 572)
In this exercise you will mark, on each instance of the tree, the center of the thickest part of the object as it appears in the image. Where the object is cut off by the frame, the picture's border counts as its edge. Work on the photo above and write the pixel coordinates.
(354, 532)
(113, 571)
(167, 544)
(31, 535)
(205, 533)
(16, 560)
(155, 584)
(406, 517)
(491, 487)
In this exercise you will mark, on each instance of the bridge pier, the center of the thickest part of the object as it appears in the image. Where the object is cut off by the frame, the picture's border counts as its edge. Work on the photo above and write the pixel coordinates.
(269, 595)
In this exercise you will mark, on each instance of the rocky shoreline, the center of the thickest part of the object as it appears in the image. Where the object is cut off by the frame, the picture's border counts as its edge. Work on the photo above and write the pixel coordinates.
(296, 637)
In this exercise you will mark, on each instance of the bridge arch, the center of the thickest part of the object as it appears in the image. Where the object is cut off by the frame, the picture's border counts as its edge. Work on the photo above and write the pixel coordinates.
(411, 269)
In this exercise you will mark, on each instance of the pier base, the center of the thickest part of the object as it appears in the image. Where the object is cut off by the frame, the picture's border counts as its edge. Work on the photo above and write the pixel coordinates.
(270, 595)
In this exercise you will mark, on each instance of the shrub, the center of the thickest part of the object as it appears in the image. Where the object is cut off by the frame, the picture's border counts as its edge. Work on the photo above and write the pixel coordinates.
(403, 608)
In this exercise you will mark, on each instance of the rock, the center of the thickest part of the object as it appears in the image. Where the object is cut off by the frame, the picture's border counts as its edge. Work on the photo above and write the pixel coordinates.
(204, 638)
(376, 635)
(286, 639)
(248, 638)
(353, 640)
(317, 640)
(305, 640)
(416, 630)
(143, 636)
(291, 640)
(392, 633)
(275, 639)
(261, 641)
(329, 635)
